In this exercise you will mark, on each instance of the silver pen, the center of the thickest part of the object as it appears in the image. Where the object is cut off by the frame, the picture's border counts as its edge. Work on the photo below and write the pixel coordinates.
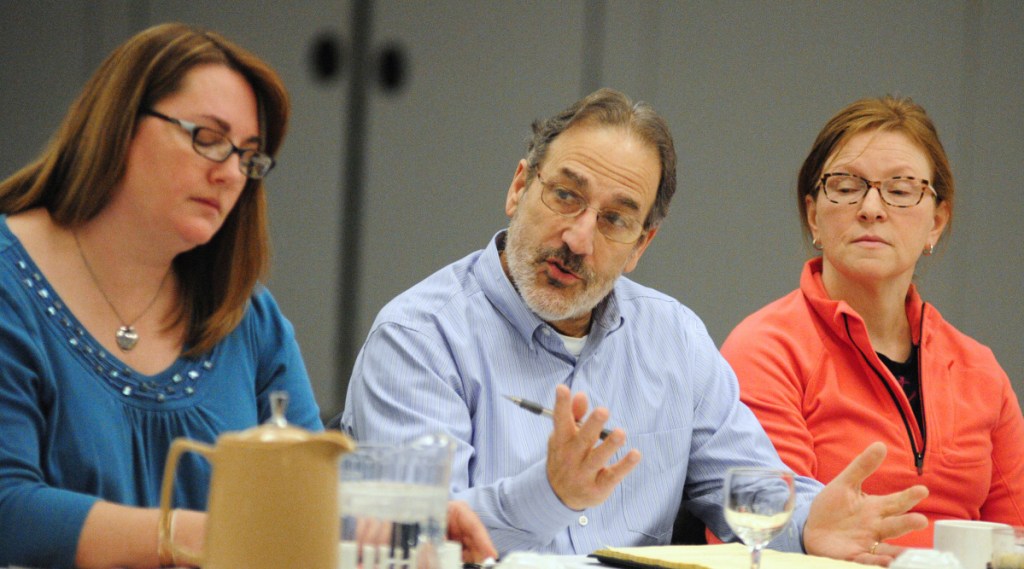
(538, 409)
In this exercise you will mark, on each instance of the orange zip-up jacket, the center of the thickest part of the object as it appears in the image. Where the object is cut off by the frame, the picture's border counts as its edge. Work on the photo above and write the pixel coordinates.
(807, 369)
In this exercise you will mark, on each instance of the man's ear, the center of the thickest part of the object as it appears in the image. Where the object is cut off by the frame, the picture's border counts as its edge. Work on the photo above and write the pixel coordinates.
(516, 188)
(639, 248)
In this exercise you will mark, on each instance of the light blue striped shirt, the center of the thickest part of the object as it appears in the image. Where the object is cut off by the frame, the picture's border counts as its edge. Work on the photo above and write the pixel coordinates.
(440, 356)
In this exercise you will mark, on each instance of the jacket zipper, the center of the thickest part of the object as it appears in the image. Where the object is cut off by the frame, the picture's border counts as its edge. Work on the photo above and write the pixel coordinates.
(918, 455)
(919, 458)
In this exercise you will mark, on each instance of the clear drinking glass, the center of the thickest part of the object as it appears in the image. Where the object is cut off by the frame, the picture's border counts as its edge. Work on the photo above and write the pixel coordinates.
(1008, 548)
(758, 505)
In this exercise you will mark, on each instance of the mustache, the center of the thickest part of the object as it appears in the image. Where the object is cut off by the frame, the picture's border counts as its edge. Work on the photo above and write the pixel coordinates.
(565, 257)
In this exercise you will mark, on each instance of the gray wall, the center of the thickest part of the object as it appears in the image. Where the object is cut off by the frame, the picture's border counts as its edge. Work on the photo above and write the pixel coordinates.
(744, 85)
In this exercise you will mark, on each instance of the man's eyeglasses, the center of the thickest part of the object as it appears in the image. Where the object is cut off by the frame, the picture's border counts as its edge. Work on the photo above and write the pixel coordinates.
(619, 225)
(214, 145)
(898, 191)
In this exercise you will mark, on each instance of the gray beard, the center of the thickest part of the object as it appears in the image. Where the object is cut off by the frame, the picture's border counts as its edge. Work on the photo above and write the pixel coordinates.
(546, 303)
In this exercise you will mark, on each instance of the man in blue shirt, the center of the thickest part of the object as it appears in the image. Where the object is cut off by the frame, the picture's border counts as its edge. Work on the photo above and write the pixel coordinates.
(544, 305)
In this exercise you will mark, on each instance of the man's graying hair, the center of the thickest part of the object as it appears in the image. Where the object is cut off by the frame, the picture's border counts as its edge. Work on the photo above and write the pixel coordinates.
(607, 107)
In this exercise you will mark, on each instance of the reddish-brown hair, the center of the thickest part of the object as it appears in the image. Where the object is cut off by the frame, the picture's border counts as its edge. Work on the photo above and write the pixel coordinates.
(887, 113)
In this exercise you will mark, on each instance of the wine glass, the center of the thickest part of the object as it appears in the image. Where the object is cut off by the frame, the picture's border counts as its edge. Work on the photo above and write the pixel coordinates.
(758, 505)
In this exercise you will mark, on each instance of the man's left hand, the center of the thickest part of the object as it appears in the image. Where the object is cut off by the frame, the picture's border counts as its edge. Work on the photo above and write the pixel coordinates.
(845, 523)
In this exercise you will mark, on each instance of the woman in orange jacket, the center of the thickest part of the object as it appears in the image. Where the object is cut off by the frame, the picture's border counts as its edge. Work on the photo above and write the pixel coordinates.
(855, 355)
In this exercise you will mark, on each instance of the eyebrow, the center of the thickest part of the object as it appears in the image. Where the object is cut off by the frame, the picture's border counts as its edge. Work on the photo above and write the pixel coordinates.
(225, 127)
(578, 179)
(909, 173)
(582, 183)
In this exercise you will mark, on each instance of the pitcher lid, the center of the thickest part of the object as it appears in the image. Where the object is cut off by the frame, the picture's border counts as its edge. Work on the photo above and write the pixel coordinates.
(276, 428)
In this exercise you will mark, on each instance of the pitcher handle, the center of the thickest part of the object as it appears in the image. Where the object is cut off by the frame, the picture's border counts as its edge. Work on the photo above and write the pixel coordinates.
(178, 447)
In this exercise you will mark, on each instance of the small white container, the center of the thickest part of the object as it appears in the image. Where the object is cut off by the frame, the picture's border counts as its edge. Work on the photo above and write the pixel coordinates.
(451, 555)
(926, 559)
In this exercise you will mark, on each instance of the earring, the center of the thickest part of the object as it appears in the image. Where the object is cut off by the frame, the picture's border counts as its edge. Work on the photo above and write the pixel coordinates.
(930, 249)
(816, 243)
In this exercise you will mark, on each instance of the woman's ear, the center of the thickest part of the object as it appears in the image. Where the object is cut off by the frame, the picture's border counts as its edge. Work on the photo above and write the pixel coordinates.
(811, 207)
(939, 222)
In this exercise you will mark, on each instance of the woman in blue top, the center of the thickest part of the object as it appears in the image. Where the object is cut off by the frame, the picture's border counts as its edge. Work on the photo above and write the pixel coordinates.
(130, 310)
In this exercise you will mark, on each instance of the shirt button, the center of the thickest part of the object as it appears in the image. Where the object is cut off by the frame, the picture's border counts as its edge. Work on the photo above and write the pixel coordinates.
(584, 521)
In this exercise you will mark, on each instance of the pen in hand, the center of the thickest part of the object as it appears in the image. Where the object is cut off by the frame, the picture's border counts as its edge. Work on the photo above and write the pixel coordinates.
(537, 409)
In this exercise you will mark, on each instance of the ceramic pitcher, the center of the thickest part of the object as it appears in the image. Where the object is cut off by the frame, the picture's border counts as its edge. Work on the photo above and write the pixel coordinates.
(273, 501)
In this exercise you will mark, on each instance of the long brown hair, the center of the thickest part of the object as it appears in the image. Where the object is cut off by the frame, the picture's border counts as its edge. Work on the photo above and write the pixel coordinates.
(887, 113)
(75, 176)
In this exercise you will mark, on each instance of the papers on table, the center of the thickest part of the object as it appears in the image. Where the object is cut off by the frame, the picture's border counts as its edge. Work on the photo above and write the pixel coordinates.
(728, 556)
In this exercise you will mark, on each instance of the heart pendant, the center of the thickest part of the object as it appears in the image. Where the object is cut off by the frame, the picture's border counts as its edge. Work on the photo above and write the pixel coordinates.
(127, 337)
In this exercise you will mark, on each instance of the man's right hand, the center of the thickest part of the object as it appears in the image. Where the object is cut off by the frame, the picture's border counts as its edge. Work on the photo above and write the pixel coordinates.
(465, 527)
(578, 468)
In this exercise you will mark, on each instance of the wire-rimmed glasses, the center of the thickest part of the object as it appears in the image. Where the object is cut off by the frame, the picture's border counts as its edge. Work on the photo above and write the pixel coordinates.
(898, 191)
(758, 505)
(619, 225)
(215, 145)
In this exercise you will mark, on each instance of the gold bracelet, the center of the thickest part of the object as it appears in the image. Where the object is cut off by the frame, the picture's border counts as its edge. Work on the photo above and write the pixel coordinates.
(163, 539)
(174, 522)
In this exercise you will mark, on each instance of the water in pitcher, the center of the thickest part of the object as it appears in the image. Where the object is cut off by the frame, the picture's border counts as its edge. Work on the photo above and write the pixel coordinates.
(394, 505)
(366, 507)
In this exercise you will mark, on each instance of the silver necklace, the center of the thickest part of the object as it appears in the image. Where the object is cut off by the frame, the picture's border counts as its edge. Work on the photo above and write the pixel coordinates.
(127, 336)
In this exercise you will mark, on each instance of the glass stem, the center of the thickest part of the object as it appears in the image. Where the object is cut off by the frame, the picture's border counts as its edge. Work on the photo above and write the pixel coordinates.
(755, 557)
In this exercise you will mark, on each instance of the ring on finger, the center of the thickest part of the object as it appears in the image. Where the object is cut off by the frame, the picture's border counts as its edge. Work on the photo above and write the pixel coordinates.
(874, 546)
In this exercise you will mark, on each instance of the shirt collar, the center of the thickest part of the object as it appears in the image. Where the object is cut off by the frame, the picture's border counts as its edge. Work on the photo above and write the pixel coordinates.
(835, 311)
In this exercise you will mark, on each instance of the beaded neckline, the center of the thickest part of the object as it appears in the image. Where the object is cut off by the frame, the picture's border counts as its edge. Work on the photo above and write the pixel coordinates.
(180, 381)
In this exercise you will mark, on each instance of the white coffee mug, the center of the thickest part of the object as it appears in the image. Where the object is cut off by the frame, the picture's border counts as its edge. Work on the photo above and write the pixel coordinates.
(970, 541)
